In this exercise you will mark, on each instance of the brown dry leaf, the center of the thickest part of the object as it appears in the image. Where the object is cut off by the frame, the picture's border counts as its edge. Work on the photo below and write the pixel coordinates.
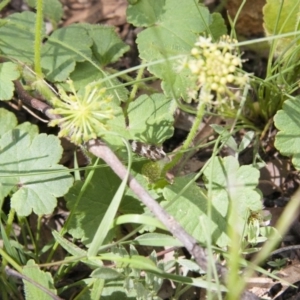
(80, 11)
(114, 12)
(110, 12)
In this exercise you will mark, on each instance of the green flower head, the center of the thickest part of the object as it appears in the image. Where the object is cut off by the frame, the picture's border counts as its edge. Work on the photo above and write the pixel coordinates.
(83, 113)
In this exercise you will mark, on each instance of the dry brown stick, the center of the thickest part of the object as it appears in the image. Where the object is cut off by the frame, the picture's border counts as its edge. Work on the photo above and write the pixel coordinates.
(35, 103)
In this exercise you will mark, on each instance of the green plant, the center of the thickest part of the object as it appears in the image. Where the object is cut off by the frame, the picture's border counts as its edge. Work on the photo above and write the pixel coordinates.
(67, 76)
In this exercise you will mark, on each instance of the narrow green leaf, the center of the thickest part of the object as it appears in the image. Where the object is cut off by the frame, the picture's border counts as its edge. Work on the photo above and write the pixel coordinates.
(157, 240)
(97, 290)
(135, 261)
(226, 137)
(105, 273)
(68, 246)
(11, 251)
(109, 216)
(247, 138)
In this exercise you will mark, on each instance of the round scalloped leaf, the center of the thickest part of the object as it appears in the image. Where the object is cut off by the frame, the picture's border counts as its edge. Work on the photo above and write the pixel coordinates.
(151, 118)
(190, 206)
(29, 165)
(287, 121)
(231, 184)
(63, 49)
(235, 183)
(107, 45)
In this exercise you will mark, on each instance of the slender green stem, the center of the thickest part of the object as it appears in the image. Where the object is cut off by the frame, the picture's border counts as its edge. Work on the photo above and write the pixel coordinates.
(134, 90)
(9, 222)
(38, 38)
(273, 43)
(7, 259)
(242, 104)
(237, 14)
(190, 137)
(38, 235)
(136, 85)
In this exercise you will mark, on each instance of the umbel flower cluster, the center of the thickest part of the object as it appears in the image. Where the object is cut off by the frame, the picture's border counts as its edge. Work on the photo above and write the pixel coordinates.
(83, 115)
(216, 66)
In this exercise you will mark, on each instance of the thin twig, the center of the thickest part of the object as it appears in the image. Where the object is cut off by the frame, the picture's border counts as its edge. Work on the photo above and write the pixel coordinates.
(35, 103)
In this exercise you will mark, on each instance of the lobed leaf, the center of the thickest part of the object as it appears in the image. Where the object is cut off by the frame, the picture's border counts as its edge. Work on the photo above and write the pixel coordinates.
(52, 10)
(173, 28)
(231, 185)
(30, 169)
(63, 49)
(151, 118)
(233, 190)
(107, 45)
(187, 207)
(44, 279)
(17, 30)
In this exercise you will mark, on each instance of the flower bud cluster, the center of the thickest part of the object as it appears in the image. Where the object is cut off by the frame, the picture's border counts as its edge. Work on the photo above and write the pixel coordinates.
(82, 116)
(216, 65)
